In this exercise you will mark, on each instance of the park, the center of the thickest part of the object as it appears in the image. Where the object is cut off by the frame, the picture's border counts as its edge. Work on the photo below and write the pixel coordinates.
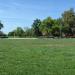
(37, 37)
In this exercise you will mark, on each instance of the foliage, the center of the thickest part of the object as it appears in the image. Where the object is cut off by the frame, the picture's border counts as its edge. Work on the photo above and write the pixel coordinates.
(69, 20)
(56, 30)
(46, 26)
(35, 27)
(65, 25)
(28, 32)
(17, 32)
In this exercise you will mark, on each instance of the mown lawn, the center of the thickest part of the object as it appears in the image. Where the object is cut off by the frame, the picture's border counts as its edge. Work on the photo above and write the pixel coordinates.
(37, 57)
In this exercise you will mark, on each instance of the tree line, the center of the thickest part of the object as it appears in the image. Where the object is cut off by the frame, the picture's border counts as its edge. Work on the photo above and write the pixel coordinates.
(49, 27)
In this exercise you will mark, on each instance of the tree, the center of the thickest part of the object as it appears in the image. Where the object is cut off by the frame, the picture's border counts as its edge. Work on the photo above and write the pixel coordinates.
(2, 35)
(35, 27)
(67, 31)
(56, 30)
(59, 23)
(68, 18)
(1, 25)
(17, 32)
(28, 32)
(12, 33)
(46, 26)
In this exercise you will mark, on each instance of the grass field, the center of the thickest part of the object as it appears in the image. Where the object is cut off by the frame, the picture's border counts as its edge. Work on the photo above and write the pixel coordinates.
(37, 57)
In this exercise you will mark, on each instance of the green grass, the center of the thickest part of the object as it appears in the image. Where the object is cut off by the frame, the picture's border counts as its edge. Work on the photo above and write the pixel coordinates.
(37, 57)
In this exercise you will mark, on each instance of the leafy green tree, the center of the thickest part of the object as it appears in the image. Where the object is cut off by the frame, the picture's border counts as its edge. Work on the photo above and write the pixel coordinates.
(28, 32)
(56, 30)
(67, 31)
(68, 18)
(35, 27)
(59, 23)
(12, 33)
(46, 26)
(19, 32)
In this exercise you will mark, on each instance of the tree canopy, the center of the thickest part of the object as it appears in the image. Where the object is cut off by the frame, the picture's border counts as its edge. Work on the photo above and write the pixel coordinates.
(60, 27)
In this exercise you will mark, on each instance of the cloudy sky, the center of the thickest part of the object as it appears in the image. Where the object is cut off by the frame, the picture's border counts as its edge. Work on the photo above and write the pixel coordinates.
(14, 13)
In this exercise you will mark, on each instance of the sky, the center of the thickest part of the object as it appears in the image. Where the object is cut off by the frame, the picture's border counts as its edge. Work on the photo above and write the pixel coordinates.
(22, 13)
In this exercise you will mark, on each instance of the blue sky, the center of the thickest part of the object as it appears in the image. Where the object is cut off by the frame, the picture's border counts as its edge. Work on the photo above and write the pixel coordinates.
(14, 13)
